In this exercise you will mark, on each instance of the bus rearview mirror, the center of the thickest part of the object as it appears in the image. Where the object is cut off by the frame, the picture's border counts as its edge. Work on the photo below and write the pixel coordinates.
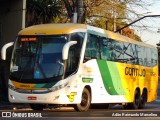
(66, 49)
(4, 50)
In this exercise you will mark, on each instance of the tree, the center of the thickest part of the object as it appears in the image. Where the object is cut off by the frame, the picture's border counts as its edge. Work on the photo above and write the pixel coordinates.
(70, 6)
(106, 14)
(42, 11)
(111, 14)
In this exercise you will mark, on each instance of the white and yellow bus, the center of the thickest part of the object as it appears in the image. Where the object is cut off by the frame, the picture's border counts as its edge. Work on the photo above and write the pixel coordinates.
(80, 65)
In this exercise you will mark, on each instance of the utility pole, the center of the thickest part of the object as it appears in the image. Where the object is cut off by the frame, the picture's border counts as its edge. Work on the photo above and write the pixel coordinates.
(114, 15)
(75, 14)
(80, 11)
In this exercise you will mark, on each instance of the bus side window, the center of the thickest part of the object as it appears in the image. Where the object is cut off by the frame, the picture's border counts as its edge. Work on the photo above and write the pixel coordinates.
(154, 57)
(74, 52)
(142, 56)
(127, 52)
(118, 51)
(111, 50)
(106, 45)
(148, 57)
(140, 61)
(92, 48)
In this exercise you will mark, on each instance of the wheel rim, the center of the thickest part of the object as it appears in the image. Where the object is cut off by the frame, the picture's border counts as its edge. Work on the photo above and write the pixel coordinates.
(84, 101)
(137, 100)
(143, 99)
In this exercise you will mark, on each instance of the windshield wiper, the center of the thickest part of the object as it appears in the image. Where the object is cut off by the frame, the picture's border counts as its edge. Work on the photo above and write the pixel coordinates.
(28, 54)
(37, 60)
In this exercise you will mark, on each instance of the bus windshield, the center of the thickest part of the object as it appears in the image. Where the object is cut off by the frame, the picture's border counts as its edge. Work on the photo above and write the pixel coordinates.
(38, 58)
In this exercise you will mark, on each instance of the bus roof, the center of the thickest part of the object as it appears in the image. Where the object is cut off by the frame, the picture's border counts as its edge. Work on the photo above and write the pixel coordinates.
(123, 38)
(118, 37)
(66, 28)
(51, 29)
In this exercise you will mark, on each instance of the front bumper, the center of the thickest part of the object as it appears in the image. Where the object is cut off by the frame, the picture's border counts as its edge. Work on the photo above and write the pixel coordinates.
(58, 97)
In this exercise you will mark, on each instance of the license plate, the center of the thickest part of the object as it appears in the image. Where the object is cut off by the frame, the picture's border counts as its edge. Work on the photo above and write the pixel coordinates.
(32, 98)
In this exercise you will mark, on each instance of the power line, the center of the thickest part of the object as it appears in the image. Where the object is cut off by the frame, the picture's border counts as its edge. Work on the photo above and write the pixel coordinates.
(136, 21)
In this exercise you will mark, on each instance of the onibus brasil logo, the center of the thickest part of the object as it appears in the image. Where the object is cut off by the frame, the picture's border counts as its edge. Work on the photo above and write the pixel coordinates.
(15, 114)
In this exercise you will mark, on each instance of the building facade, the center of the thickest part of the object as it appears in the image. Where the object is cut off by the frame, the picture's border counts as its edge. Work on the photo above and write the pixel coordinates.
(12, 20)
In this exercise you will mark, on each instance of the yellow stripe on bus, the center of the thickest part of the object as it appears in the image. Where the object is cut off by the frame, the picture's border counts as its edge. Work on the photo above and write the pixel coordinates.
(23, 85)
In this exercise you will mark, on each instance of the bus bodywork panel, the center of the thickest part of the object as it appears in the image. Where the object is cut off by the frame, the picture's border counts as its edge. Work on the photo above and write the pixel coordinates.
(51, 29)
(120, 80)
(88, 75)
(110, 83)
(62, 92)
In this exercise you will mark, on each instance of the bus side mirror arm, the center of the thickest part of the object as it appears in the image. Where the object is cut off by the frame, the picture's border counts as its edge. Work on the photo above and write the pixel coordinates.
(66, 49)
(4, 49)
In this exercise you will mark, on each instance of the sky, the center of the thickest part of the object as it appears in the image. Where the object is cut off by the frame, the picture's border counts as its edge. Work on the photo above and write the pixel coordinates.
(149, 34)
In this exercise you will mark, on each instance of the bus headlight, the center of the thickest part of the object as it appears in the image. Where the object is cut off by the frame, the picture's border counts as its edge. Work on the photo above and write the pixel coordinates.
(58, 87)
(38, 91)
(12, 87)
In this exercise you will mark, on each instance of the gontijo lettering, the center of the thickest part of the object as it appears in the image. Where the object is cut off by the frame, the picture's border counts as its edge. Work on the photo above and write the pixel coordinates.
(135, 72)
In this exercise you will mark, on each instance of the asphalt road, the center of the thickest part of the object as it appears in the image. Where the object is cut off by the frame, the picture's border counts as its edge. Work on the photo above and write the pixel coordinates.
(151, 111)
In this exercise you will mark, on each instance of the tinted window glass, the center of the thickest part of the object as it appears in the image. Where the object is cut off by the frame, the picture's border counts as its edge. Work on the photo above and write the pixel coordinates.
(106, 48)
(118, 51)
(154, 58)
(74, 52)
(92, 47)
(148, 57)
(134, 54)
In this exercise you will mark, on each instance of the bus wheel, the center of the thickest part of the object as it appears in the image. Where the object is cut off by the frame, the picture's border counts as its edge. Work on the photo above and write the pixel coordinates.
(85, 101)
(136, 102)
(37, 106)
(143, 100)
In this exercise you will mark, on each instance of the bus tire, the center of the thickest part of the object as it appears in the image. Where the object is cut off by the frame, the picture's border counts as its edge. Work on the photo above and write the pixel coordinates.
(85, 101)
(143, 100)
(37, 106)
(136, 102)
